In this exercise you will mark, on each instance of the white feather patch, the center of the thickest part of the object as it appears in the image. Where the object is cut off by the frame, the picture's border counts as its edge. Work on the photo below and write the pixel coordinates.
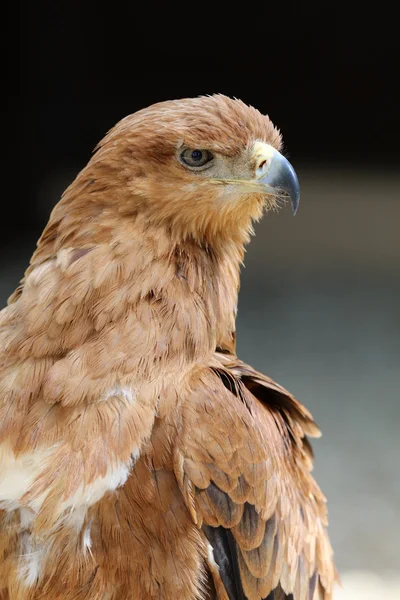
(210, 556)
(30, 560)
(87, 540)
(127, 393)
(87, 495)
(18, 473)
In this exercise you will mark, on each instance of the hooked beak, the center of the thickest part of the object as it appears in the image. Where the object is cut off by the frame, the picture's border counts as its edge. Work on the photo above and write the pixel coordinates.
(278, 175)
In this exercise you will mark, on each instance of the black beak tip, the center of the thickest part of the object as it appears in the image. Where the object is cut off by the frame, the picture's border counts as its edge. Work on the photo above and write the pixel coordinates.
(293, 187)
(295, 200)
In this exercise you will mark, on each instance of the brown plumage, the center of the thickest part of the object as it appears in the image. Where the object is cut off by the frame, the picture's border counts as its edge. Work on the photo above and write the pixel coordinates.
(139, 457)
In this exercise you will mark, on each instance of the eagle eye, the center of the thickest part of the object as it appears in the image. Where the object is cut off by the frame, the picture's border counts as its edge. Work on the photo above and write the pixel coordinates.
(195, 158)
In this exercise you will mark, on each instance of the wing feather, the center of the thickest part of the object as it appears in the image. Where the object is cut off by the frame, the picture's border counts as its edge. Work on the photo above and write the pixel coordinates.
(243, 447)
(225, 555)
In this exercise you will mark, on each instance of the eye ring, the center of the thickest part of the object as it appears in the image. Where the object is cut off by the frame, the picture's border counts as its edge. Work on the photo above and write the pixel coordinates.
(196, 158)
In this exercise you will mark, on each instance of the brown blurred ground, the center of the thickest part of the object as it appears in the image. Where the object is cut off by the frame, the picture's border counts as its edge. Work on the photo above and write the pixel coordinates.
(319, 311)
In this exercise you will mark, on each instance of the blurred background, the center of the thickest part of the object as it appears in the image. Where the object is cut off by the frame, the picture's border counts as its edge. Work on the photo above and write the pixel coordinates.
(319, 306)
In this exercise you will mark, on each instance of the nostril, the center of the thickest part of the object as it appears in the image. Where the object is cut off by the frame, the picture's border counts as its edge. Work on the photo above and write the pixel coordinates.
(262, 164)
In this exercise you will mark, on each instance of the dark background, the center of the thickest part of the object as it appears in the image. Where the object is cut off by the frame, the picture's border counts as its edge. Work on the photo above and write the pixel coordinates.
(325, 75)
(319, 307)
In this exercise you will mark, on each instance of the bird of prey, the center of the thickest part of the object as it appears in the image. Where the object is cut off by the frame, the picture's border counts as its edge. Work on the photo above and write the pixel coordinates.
(140, 458)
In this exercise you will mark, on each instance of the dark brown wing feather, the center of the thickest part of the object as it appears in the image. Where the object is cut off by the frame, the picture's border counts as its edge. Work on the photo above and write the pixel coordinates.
(225, 552)
(225, 555)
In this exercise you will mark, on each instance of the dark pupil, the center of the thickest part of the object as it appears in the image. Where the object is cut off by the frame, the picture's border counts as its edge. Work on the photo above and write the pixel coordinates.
(197, 155)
